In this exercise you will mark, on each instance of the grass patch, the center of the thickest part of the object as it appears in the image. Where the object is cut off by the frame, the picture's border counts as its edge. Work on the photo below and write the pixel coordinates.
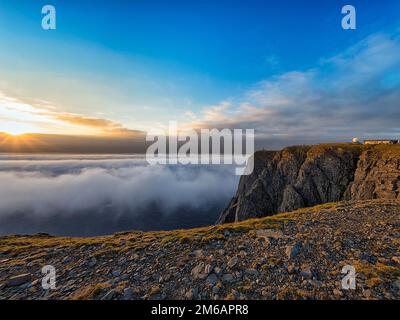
(375, 272)
(155, 290)
(90, 292)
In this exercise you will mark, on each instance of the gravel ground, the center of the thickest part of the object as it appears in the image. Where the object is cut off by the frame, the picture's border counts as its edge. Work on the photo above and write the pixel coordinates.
(298, 255)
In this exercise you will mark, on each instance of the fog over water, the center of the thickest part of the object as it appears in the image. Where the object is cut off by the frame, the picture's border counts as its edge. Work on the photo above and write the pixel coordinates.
(82, 195)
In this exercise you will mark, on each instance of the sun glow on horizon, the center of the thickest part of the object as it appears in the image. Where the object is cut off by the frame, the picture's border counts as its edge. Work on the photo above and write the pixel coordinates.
(16, 129)
(17, 142)
(17, 132)
(18, 118)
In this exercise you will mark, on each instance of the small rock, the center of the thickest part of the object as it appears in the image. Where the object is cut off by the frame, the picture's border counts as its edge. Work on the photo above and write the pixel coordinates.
(212, 279)
(207, 269)
(66, 260)
(396, 260)
(306, 272)
(122, 261)
(198, 253)
(337, 293)
(370, 258)
(233, 261)
(242, 254)
(293, 251)
(92, 262)
(128, 294)
(166, 278)
(227, 278)
(263, 260)
(19, 280)
(198, 271)
(252, 272)
(235, 294)
(269, 233)
(111, 281)
(217, 271)
(109, 295)
(396, 285)
(316, 283)
(367, 293)
(291, 268)
(116, 273)
(34, 283)
(191, 294)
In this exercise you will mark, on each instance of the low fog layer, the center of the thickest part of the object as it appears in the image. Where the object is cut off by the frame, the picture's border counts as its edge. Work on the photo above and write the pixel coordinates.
(90, 195)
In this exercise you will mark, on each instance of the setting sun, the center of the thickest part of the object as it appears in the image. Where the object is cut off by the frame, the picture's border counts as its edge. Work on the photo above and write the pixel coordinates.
(16, 133)
(17, 129)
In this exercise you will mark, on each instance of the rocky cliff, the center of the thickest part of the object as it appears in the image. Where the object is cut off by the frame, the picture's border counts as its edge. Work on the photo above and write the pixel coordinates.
(304, 176)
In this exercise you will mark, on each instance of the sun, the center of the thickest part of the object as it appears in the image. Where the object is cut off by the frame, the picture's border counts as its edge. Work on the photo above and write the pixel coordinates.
(16, 133)
(16, 129)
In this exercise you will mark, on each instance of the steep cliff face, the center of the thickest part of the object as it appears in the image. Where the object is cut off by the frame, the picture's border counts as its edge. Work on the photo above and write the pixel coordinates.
(305, 176)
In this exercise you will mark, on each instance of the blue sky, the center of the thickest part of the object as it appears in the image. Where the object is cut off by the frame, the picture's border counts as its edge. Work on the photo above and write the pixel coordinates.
(135, 64)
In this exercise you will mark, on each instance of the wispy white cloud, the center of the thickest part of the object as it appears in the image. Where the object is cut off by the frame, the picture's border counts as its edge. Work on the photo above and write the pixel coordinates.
(19, 116)
(356, 92)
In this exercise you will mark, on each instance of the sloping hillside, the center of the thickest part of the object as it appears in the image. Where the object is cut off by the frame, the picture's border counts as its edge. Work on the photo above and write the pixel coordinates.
(297, 255)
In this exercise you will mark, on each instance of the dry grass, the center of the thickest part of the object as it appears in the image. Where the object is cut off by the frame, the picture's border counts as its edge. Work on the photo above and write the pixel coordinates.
(376, 272)
(36, 246)
(90, 292)
(28, 248)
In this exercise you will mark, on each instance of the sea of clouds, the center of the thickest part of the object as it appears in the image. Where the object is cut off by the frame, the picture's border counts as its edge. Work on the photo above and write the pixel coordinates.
(94, 195)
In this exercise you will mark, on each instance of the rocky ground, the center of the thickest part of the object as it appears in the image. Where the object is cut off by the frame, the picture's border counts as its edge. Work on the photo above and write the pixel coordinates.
(298, 255)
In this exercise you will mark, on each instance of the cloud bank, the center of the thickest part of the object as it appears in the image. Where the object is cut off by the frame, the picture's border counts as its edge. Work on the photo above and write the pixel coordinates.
(90, 196)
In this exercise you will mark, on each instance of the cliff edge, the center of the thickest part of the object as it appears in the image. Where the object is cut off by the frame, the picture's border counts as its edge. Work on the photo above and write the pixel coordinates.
(305, 176)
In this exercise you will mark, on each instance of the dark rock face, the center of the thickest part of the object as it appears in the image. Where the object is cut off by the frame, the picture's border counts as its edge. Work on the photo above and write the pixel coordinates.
(305, 176)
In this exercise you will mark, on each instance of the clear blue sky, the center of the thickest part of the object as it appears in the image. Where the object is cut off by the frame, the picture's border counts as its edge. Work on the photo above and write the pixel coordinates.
(228, 40)
(139, 61)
